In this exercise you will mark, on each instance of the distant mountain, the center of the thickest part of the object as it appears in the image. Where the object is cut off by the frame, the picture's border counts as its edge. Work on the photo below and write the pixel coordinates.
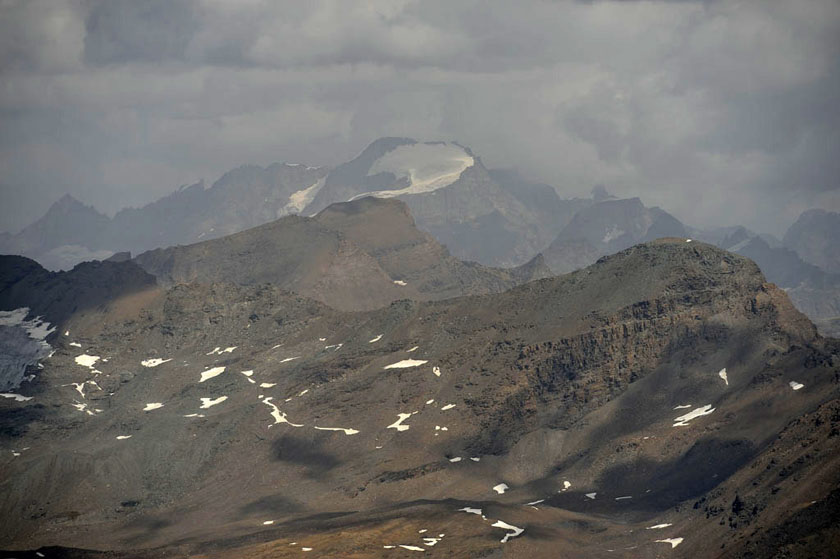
(352, 256)
(665, 396)
(71, 232)
(814, 291)
(492, 217)
(815, 236)
(605, 228)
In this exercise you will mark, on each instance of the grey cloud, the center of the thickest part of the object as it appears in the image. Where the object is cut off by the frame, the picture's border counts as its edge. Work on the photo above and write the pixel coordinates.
(721, 112)
(121, 31)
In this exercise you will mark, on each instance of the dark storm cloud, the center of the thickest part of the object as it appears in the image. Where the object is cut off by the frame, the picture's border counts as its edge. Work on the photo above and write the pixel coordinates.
(720, 112)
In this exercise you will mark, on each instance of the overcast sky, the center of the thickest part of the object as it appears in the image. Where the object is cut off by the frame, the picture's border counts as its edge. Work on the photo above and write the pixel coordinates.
(720, 112)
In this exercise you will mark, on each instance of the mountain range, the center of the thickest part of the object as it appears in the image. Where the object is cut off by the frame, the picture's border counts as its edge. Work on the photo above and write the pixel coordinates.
(665, 401)
(492, 217)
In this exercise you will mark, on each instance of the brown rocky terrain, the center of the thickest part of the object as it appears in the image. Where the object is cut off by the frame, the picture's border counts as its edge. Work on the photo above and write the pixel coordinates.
(665, 393)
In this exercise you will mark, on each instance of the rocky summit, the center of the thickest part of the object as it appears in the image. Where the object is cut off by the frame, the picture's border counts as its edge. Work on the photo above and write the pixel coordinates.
(665, 401)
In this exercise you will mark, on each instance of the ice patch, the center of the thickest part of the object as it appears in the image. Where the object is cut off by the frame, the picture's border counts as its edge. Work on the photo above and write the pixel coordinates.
(17, 397)
(153, 406)
(279, 417)
(154, 362)
(673, 541)
(514, 531)
(123, 437)
(658, 526)
(376, 339)
(722, 374)
(300, 199)
(795, 385)
(346, 431)
(683, 420)
(427, 167)
(210, 402)
(398, 424)
(406, 363)
(501, 488)
(210, 373)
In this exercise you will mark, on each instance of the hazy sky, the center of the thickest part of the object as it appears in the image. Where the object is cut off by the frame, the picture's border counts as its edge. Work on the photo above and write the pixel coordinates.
(720, 112)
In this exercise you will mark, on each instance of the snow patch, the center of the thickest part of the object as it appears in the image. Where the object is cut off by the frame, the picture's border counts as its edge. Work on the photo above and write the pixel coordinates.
(683, 420)
(123, 437)
(501, 488)
(658, 526)
(279, 417)
(722, 374)
(400, 283)
(153, 406)
(376, 339)
(346, 431)
(406, 363)
(436, 371)
(795, 385)
(17, 397)
(398, 424)
(673, 541)
(211, 373)
(154, 362)
(447, 407)
(86, 360)
(514, 531)
(210, 402)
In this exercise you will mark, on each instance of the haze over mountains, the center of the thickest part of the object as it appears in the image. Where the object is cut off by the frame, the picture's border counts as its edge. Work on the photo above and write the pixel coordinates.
(492, 217)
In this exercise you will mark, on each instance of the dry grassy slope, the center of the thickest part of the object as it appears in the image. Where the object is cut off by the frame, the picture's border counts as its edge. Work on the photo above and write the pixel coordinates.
(349, 256)
(571, 378)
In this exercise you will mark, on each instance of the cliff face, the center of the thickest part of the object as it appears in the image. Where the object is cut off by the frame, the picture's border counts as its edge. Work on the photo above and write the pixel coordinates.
(612, 399)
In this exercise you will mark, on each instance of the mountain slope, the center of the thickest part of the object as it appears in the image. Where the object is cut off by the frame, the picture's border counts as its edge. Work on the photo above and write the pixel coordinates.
(814, 237)
(605, 228)
(494, 218)
(549, 408)
(353, 256)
